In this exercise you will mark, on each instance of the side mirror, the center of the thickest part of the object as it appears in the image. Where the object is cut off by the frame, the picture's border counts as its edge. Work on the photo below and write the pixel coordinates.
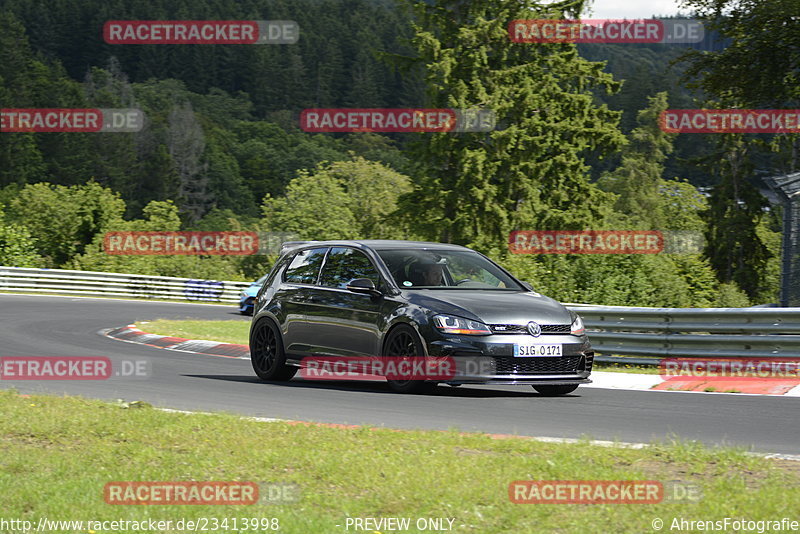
(364, 286)
(527, 286)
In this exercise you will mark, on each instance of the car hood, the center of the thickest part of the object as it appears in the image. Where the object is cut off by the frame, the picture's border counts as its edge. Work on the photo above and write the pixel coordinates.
(493, 307)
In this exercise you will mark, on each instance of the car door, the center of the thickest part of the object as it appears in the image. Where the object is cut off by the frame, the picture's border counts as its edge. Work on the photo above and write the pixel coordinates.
(341, 322)
(294, 294)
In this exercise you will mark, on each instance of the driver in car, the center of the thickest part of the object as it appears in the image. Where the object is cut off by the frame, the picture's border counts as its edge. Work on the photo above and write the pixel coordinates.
(428, 274)
(433, 275)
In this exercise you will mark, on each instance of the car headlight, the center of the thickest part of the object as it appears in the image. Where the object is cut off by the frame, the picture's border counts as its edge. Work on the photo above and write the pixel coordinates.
(577, 328)
(449, 324)
(242, 295)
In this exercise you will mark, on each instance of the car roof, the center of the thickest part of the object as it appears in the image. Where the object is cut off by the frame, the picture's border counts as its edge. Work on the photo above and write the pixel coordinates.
(375, 244)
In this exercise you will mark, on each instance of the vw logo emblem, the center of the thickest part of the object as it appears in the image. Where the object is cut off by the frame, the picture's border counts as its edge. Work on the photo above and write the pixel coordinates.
(534, 329)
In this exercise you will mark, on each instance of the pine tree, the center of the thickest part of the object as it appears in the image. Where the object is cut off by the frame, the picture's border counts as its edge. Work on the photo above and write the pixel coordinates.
(638, 181)
(473, 188)
(736, 208)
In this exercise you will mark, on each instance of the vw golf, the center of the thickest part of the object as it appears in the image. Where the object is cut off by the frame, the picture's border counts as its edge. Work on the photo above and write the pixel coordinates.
(405, 299)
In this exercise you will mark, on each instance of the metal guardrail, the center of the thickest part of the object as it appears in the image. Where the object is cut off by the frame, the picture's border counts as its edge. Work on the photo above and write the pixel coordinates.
(99, 284)
(638, 335)
(645, 335)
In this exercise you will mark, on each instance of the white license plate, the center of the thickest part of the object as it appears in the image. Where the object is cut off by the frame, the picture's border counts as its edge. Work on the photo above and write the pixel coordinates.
(533, 351)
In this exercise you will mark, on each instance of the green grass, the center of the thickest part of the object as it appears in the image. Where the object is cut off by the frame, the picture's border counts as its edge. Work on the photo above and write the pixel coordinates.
(57, 453)
(627, 368)
(230, 331)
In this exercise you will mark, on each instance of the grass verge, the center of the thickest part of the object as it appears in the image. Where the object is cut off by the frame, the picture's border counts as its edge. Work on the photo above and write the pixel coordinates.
(57, 454)
(228, 331)
(627, 368)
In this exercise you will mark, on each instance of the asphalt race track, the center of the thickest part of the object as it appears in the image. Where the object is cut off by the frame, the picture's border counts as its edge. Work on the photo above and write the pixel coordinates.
(65, 326)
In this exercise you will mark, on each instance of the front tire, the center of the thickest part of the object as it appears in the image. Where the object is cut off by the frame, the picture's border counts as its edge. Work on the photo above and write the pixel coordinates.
(555, 391)
(266, 352)
(403, 341)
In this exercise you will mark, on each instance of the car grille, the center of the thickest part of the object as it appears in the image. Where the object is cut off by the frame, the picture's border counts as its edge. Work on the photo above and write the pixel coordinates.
(589, 361)
(563, 364)
(523, 329)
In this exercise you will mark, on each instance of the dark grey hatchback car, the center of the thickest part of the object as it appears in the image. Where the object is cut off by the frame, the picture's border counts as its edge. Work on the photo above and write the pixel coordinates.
(405, 299)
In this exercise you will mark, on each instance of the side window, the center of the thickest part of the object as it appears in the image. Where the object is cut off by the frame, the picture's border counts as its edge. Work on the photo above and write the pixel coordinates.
(345, 264)
(305, 266)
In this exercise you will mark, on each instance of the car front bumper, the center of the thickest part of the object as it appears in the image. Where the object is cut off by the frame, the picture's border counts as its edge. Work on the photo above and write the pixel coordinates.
(490, 359)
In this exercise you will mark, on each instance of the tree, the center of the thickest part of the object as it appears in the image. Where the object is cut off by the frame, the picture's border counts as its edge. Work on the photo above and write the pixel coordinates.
(736, 208)
(473, 188)
(158, 217)
(759, 69)
(109, 88)
(623, 280)
(63, 220)
(683, 206)
(187, 144)
(373, 191)
(225, 183)
(17, 248)
(270, 156)
(316, 206)
(26, 81)
(638, 181)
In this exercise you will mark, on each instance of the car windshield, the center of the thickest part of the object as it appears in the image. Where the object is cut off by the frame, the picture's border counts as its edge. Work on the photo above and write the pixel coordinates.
(445, 269)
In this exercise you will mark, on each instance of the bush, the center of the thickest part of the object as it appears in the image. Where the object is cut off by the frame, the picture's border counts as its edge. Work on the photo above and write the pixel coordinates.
(17, 248)
(730, 296)
(160, 216)
(678, 281)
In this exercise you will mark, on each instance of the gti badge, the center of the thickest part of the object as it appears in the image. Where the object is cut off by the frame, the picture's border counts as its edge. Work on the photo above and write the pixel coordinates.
(534, 329)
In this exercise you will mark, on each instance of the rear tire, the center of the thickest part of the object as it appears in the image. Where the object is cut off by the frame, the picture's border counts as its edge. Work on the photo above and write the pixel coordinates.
(266, 352)
(404, 341)
(555, 391)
